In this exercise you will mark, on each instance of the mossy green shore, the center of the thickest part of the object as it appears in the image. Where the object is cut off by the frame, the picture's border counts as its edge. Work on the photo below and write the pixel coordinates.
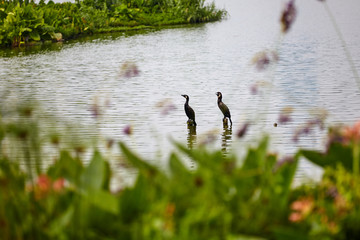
(24, 23)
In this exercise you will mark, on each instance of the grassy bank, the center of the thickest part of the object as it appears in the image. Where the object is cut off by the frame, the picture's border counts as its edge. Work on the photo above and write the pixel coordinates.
(23, 23)
(221, 197)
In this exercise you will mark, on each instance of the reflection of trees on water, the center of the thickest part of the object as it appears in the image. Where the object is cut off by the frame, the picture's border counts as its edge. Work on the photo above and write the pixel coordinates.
(226, 138)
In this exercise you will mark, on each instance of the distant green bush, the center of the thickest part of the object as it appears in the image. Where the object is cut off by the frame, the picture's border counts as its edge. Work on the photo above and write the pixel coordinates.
(22, 24)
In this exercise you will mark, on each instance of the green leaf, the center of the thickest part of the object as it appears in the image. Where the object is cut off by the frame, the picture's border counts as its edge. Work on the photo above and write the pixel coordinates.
(66, 167)
(104, 200)
(35, 36)
(244, 237)
(176, 166)
(59, 224)
(94, 174)
(135, 160)
(282, 233)
(199, 154)
(25, 29)
(256, 157)
(284, 177)
(134, 200)
(56, 36)
(107, 176)
(337, 154)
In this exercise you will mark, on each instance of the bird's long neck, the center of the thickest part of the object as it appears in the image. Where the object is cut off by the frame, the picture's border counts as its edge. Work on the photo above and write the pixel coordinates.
(187, 102)
(219, 100)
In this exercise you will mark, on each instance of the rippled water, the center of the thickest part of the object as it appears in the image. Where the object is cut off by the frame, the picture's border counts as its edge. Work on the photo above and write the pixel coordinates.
(312, 75)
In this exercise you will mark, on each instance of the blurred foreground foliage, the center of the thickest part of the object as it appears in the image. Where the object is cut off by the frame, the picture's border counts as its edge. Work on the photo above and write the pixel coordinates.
(26, 23)
(222, 197)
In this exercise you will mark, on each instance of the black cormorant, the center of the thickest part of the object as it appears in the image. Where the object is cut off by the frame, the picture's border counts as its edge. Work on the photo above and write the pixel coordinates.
(224, 109)
(188, 110)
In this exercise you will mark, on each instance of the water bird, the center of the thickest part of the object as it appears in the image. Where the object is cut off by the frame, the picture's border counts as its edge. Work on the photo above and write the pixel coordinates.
(224, 109)
(189, 111)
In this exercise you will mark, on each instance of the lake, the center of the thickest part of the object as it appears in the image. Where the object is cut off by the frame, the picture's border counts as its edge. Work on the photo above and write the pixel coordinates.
(312, 76)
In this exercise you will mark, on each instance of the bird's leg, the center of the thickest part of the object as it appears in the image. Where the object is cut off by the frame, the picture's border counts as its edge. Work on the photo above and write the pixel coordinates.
(225, 121)
(190, 122)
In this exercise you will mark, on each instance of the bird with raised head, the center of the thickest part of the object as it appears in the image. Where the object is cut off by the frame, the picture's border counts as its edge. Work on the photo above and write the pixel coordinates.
(224, 109)
(189, 111)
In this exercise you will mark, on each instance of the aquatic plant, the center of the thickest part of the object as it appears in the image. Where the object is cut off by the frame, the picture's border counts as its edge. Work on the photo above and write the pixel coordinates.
(22, 24)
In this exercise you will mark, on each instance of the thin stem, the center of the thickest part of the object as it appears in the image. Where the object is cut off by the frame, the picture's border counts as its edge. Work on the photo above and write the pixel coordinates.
(356, 159)
(27, 157)
(356, 152)
(344, 44)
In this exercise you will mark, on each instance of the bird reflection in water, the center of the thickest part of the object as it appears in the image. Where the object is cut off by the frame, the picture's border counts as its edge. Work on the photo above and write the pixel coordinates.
(226, 137)
(191, 138)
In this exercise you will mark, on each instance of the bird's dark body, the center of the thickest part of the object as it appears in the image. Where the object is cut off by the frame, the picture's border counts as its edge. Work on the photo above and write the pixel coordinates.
(188, 110)
(224, 109)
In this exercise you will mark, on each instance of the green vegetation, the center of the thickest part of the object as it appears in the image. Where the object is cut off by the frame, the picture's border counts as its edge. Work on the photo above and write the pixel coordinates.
(222, 197)
(23, 23)
(68, 196)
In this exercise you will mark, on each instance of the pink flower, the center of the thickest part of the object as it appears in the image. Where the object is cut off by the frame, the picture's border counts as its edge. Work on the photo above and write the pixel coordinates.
(242, 131)
(352, 133)
(128, 130)
(129, 70)
(43, 183)
(166, 106)
(254, 89)
(295, 217)
(263, 59)
(58, 185)
(288, 16)
(284, 116)
(301, 209)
